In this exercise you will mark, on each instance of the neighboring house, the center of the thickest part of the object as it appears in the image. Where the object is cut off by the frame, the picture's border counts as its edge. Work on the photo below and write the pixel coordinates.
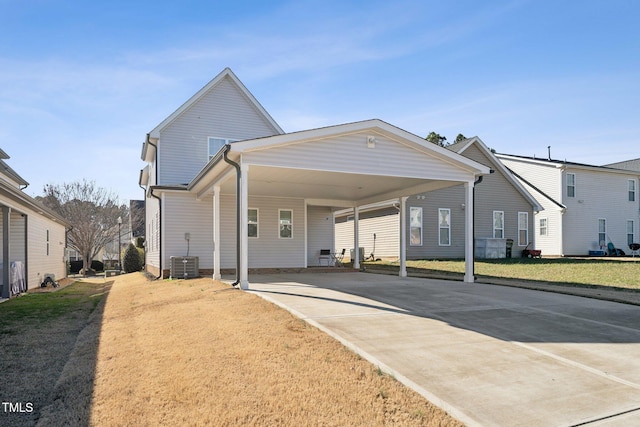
(33, 237)
(225, 184)
(585, 206)
(632, 165)
(504, 210)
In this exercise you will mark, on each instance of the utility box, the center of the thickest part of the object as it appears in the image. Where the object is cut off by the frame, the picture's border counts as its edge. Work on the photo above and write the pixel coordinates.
(491, 248)
(352, 255)
(184, 267)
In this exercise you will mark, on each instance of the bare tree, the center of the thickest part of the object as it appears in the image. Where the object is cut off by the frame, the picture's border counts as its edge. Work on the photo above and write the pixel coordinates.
(93, 213)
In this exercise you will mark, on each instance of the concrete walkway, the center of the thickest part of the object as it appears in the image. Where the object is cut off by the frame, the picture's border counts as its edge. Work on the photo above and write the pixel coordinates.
(489, 355)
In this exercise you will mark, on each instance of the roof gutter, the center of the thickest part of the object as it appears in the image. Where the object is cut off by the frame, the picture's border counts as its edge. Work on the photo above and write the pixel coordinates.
(227, 148)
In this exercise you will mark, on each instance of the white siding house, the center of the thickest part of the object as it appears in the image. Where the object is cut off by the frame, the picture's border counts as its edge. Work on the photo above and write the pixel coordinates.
(33, 237)
(227, 185)
(586, 207)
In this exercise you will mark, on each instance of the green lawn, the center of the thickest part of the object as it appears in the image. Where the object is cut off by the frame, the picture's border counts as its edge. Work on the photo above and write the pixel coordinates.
(38, 332)
(606, 271)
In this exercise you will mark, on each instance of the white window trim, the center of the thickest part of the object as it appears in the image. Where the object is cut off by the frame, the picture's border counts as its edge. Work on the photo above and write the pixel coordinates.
(602, 232)
(526, 228)
(290, 224)
(633, 231)
(631, 187)
(226, 141)
(574, 184)
(493, 224)
(257, 222)
(440, 228)
(546, 226)
(411, 209)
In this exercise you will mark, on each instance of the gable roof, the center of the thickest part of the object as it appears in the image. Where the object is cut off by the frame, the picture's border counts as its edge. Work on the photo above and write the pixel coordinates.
(463, 145)
(155, 133)
(563, 164)
(225, 74)
(7, 171)
(314, 162)
(632, 165)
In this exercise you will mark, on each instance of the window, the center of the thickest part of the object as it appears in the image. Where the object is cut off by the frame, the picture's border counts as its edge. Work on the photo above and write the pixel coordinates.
(444, 227)
(523, 228)
(571, 185)
(215, 144)
(47, 242)
(415, 226)
(253, 223)
(630, 232)
(544, 231)
(632, 190)
(285, 224)
(602, 232)
(498, 224)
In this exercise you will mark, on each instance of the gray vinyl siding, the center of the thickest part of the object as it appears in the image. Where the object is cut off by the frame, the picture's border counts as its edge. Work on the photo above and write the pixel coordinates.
(494, 193)
(319, 232)
(224, 112)
(384, 223)
(449, 198)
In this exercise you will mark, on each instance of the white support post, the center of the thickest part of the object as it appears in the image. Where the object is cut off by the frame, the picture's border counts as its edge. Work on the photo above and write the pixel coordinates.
(244, 227)
(403, 237)
(356, 238)
(216, 233)
(468, 233)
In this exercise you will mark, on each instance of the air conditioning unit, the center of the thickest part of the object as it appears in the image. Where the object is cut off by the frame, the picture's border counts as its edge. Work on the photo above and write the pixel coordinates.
(184, 267)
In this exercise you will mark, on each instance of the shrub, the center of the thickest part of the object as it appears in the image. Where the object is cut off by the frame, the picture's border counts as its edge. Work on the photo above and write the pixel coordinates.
(76, 266)
(97, 265)
(140, 242)
(131, 261)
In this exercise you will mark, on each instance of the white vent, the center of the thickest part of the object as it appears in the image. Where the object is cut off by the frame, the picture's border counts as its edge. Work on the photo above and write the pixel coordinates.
(184, 267)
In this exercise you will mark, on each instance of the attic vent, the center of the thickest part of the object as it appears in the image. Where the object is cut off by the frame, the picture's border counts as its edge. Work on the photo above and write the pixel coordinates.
(184, 267)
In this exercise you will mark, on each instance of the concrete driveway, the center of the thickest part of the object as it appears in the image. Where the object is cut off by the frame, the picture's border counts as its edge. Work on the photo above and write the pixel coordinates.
(489, 355)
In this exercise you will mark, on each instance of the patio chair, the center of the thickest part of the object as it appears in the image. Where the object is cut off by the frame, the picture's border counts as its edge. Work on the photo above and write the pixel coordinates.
(338, 257)
(325, 254)
(613, 251)
(635, 249)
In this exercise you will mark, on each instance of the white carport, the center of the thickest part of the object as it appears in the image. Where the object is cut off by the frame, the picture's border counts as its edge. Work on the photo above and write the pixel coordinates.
(344, 166)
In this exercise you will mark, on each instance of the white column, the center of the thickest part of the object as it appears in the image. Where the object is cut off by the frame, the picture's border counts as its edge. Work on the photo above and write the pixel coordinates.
(216, 233)
(356, 238)
(244, 226)
(403, 237)
(468, 232)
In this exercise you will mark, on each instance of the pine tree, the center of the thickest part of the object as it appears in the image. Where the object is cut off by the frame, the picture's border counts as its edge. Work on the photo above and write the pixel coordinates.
(131, 261)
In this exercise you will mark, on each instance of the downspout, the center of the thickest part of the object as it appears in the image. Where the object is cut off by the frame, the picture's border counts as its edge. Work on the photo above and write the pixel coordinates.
(227, 147)
(145, 220)
(159, 208)
(473, 228)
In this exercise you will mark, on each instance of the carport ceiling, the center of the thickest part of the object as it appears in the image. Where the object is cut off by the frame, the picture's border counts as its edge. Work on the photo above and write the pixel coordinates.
(310, 184)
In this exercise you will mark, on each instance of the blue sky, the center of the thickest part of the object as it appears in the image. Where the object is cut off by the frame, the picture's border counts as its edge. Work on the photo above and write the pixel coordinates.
(81, 83)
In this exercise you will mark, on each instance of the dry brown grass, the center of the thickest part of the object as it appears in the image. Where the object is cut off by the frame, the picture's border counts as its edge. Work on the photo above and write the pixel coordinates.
(198, 352)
